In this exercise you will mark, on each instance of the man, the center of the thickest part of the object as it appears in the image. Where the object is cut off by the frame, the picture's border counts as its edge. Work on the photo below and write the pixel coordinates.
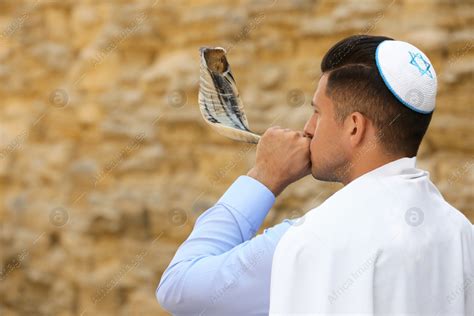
(360, 129)
(387, 243)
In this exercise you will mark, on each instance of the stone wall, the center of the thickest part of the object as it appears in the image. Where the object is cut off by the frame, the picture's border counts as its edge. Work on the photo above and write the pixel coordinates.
(105, 162)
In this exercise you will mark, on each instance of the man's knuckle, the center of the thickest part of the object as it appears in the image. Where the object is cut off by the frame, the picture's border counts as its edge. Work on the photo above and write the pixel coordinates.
(294, 135)
(269, 131)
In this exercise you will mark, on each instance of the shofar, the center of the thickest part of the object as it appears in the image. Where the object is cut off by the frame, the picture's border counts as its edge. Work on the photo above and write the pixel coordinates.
(219, 99)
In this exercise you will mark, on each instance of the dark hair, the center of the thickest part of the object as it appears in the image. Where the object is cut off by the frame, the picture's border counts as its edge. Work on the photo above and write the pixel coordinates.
(355, 85)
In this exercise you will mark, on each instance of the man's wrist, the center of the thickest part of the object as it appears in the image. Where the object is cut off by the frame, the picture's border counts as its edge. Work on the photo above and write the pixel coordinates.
(270, 182)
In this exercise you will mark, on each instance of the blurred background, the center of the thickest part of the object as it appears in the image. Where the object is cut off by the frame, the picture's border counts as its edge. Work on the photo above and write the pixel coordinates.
(105, 161)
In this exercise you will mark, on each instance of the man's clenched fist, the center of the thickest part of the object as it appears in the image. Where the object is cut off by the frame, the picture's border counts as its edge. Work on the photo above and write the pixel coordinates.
(283, 157)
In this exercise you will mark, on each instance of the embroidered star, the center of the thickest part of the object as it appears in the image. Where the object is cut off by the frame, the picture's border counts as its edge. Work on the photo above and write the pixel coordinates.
(419, 62)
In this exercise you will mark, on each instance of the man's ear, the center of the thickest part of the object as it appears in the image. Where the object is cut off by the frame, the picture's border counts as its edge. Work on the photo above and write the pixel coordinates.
(356, 126)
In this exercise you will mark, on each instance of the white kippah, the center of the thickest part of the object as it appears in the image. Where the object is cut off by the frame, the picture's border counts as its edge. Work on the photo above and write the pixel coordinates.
(408, 74)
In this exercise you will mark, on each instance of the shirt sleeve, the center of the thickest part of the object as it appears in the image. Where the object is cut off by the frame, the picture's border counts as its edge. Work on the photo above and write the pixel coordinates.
(220, 261)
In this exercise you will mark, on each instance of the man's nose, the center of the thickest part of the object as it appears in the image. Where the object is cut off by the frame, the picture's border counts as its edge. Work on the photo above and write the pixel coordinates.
(308, 131)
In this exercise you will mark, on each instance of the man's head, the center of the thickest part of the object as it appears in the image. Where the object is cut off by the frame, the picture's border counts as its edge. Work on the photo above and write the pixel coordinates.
(357, 119)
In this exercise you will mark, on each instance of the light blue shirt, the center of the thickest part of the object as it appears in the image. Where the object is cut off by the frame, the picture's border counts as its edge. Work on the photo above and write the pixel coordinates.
(223, 268)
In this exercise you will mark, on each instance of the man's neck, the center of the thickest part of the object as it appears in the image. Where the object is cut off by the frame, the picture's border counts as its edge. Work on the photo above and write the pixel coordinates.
(366, 164)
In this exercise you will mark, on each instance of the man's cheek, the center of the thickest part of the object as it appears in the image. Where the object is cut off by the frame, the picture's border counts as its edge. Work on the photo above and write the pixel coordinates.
(313, 147)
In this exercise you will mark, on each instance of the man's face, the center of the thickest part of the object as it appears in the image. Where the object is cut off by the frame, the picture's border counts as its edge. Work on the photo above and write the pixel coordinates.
(328, 157)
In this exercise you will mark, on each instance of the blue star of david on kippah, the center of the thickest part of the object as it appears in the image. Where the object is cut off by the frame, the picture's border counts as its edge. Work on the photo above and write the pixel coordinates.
(419, 62)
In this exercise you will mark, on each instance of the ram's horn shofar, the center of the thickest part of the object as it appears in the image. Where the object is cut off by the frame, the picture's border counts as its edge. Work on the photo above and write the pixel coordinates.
(219, 99)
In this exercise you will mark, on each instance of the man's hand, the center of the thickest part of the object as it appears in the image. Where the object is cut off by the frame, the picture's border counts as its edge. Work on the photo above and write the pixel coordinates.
(283, 157)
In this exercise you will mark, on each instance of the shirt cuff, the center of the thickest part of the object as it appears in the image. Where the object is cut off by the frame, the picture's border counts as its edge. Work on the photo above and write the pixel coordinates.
(250, 198)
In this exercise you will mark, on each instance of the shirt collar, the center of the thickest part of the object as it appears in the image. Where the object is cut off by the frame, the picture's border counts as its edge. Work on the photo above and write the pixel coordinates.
(402, 166)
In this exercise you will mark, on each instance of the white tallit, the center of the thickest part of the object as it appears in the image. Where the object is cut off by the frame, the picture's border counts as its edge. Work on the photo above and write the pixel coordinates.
(385, 244)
